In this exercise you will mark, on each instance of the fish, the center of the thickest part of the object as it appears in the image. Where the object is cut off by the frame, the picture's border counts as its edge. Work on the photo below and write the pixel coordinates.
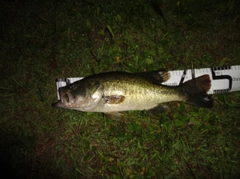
(114, 92)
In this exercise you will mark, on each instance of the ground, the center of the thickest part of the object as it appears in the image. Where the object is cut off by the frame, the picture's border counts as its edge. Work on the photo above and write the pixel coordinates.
(45, 40)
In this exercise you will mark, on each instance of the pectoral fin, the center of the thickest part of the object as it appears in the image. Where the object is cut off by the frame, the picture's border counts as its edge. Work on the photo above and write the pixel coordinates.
(114, 115)
(114, 99)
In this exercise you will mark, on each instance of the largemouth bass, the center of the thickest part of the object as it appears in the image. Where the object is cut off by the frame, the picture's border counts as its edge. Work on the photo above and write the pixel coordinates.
(113, 92)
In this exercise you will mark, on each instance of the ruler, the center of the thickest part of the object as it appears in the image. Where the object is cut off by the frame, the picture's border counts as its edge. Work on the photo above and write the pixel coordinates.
(223, 79)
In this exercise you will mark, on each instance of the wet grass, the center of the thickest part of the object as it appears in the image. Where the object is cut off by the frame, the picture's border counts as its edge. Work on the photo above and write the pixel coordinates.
(44, 40)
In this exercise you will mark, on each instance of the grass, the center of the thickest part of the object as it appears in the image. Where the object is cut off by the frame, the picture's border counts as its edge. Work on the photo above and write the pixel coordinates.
(44, 40)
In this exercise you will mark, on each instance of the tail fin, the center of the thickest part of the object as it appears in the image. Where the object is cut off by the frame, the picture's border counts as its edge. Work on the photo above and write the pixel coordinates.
(197, 89)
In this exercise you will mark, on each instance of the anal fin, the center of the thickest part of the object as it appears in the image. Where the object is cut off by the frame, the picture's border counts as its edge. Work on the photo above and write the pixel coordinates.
(114, 115)
(159, 109)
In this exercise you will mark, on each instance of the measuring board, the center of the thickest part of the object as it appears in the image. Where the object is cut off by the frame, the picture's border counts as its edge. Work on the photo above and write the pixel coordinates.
(223, 79)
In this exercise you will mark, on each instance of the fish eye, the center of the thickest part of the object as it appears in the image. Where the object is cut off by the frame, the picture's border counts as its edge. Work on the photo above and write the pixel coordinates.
(71, 86)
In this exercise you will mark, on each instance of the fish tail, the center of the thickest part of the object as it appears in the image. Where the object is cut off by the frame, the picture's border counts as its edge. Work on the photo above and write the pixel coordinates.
(196, 91)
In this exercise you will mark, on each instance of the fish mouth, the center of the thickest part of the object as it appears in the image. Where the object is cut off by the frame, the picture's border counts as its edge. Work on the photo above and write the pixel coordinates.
(66, 97)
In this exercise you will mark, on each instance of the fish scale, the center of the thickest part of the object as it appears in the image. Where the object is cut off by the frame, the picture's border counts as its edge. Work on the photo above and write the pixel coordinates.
(114, 92)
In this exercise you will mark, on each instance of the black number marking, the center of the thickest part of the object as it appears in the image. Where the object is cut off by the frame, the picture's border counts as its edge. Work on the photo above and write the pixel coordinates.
(183, 77)
(222, 77)
(68, 81)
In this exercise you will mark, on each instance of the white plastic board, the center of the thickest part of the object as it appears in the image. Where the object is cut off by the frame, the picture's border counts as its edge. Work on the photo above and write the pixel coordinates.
(223, 79)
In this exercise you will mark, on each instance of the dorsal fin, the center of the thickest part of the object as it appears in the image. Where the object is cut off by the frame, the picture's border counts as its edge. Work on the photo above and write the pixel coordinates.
(158, 76)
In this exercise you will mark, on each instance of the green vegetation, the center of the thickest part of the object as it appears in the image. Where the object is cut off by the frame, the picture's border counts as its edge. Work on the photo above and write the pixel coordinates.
(45, 40)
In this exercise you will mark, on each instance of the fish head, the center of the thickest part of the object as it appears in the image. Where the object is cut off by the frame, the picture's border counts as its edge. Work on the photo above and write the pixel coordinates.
(81, 95)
